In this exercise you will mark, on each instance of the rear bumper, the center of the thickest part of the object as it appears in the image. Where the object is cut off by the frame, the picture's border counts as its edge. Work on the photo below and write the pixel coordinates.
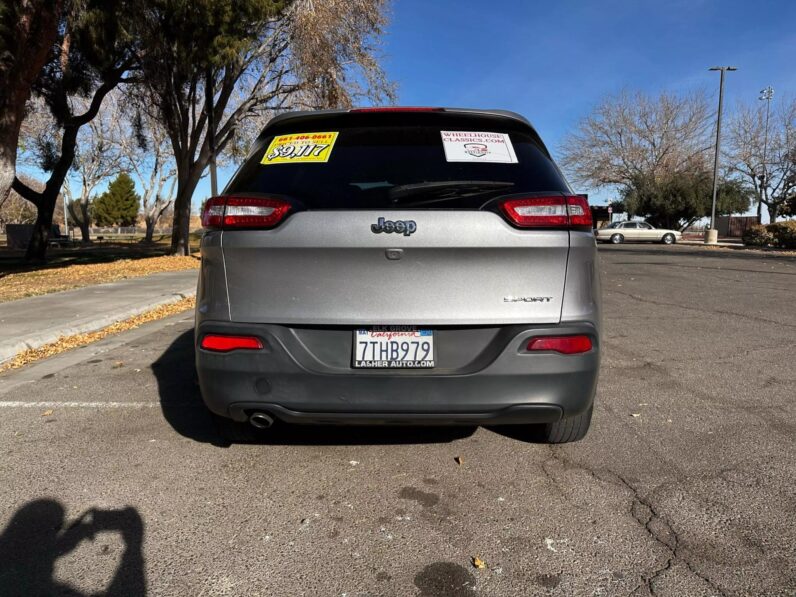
(303, 376)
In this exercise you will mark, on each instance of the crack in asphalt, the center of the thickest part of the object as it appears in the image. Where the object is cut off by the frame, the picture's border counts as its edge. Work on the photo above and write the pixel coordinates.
(699, 310)
(753, 410)
(645, 514)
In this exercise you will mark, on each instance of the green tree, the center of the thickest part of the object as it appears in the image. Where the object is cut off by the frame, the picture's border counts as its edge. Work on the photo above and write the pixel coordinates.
(119, 205)
(91, 53)
(678, 200)
(245, 59)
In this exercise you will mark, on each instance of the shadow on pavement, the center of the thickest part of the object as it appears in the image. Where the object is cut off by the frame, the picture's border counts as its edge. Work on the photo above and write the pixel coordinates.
(361, 435)
(529, 434)
(183, 409)
(178, 389)
(38, 534)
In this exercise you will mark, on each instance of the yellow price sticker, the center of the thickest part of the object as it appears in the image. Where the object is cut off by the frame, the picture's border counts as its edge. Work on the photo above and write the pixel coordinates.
(300, 147)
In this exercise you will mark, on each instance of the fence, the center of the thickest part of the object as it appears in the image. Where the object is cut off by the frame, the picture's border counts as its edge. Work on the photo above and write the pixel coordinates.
(734, 226)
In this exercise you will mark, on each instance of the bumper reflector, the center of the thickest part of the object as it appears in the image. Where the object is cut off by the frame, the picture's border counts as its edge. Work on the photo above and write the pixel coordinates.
(562, 344)
(223, 343)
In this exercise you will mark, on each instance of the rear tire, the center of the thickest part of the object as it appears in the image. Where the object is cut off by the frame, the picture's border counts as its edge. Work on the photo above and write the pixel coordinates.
(233, 431)
(566, 430)
(617, 239)
(668, 239)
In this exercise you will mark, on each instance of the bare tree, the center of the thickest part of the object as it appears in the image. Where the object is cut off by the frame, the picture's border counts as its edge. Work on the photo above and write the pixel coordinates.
(16, 210)
(147, 155)
(633, 135)
(91, 55)
(312, 53)
(97, 158)
(772, 178)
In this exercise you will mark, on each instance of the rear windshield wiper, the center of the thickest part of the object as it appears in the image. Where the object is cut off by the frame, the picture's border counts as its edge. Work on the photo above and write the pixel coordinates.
(445, 189)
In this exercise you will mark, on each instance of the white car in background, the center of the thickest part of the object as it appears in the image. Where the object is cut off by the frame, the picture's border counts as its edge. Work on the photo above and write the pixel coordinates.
(620, 232)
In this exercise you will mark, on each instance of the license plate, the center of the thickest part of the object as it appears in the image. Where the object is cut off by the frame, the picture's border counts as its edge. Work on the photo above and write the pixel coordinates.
(393, 347)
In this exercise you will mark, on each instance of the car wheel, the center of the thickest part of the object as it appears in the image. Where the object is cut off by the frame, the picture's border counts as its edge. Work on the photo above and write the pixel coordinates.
(617, 239)
(566, 430)
(233, 431)
(668, 239)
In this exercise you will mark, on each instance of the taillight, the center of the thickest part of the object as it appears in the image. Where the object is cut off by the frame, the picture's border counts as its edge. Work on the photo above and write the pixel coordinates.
(226, 343)
(562, 344)
(536, 211)
(579, 212)
(557, 211)
(244, 212)
(213, 212)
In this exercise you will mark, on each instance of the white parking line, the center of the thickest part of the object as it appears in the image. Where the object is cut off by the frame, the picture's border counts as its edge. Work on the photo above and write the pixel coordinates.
(56, 404)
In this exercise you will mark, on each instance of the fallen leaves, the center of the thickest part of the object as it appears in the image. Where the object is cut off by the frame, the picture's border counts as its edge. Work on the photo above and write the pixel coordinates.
(458, 460)
(478, 562)
(54, 279)
(47, 413)
(69, 342)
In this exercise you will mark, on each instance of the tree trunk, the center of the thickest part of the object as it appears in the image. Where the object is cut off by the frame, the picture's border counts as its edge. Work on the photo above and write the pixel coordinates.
(28, 44)
(81, 218)
(150, 229)
(85, 232)
(37, 248)
(8, 160)
(187, 179)
(180, 228)
(773, 212)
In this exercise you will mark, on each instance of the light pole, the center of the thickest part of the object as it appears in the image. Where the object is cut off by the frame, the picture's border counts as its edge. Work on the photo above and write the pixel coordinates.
(712, 235)
(66, 219)
(765, 94)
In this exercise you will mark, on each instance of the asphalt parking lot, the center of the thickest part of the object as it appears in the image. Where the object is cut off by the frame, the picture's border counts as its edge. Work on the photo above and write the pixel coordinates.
(114, 482)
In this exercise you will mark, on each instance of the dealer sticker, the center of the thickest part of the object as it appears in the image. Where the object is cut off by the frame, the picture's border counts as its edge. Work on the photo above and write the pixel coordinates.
(301, 147)
(467, 146)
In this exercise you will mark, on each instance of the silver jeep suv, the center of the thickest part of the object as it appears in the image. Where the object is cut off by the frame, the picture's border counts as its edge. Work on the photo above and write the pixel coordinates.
(399, 266)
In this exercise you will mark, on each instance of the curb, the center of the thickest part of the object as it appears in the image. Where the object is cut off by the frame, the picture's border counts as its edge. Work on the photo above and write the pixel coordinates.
(700, 243)
(10, 349)
(739, 247)
(15, 378)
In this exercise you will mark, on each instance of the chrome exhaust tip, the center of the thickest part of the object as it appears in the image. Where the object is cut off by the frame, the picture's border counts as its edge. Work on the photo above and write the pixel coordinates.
(261, 420)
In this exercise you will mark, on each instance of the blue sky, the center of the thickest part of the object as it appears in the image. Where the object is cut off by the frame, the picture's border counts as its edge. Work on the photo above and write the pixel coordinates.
(552, 61)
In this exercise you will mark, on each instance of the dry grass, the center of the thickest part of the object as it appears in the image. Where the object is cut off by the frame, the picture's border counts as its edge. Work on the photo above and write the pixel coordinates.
(33, 282)
(65, 343)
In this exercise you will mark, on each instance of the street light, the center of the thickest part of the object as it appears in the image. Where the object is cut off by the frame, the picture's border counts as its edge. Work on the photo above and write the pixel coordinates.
(767, 95)
(712, 235)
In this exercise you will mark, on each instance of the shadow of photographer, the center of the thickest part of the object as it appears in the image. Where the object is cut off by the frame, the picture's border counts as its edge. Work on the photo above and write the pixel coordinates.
(38, 535)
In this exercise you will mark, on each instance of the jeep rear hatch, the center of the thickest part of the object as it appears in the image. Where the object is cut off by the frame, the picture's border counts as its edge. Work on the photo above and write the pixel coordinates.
(419, 218)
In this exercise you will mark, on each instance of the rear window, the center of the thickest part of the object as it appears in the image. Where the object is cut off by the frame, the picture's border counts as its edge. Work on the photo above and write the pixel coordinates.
(399, 160)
